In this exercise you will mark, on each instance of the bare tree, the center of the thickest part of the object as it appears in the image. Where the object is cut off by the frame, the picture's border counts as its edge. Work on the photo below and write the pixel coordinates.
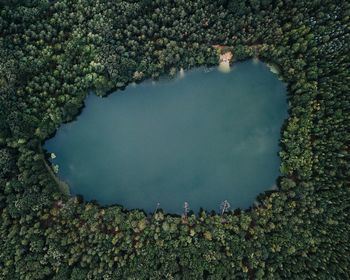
(225, 205)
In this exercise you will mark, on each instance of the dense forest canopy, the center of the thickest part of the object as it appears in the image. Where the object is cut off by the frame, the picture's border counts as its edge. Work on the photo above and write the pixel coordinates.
(53, 53)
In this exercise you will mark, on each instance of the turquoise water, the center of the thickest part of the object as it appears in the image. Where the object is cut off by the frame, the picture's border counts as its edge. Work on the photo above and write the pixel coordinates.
(202, 138)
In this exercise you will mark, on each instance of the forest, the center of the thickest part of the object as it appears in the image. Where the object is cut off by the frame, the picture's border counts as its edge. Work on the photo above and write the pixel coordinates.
(53, 52)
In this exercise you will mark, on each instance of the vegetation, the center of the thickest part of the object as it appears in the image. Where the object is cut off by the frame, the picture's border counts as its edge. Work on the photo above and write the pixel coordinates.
(53, 52)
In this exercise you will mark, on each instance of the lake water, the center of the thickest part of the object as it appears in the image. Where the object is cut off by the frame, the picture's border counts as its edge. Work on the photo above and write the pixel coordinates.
(201, 138)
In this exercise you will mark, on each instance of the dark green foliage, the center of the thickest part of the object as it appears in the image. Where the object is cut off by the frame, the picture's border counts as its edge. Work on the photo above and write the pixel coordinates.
(52, 53)
(7, 163)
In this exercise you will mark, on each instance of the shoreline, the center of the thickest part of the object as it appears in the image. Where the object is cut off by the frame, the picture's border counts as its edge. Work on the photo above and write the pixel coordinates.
(62, 186)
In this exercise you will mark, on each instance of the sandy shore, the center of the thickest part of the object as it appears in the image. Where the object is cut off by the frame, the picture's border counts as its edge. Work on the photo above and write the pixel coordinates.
(225, 58)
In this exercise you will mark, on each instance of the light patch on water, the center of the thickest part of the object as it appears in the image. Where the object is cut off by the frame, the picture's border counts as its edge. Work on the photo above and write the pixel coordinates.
(208, 70)
(71, 167)
(258, 139)
(182, 73)
(224, 67)
(255, 60)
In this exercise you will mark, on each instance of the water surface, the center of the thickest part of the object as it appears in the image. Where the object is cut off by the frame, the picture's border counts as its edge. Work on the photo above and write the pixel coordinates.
(202, 138)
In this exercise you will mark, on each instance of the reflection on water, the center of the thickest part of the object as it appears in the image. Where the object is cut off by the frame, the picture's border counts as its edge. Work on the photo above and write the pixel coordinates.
(182, 73)
(224, 67)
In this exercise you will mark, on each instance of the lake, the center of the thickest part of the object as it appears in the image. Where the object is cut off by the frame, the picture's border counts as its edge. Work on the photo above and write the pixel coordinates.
(203, 137)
